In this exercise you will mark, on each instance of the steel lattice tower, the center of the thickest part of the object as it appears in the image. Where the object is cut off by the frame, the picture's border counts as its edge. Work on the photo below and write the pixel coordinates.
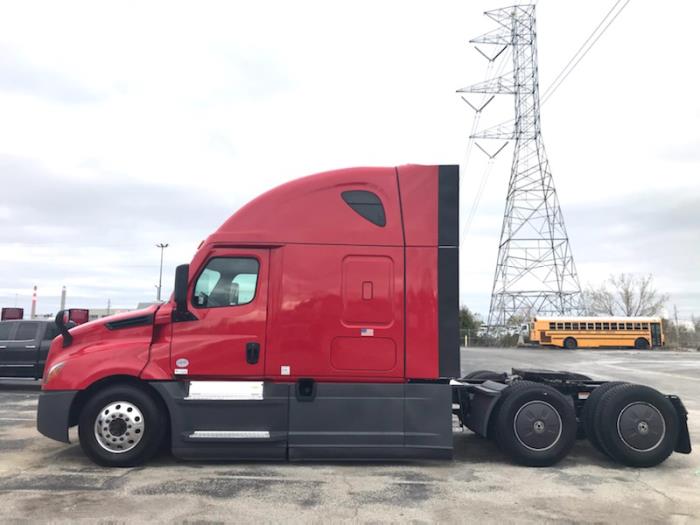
(535, 271)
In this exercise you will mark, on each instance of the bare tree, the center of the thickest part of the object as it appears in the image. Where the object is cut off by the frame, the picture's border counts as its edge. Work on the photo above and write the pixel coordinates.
(625, 295)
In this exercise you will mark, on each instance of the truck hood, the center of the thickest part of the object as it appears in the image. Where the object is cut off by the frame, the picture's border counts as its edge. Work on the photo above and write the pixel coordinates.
(142, 317)
(118, 344)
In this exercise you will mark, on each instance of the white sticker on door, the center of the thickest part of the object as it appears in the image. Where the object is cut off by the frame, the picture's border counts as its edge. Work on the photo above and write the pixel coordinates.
(285, 370)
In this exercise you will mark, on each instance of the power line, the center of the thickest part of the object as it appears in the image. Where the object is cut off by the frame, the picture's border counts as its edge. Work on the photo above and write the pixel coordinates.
(477, 198)
(544, 93)
(475, 124)
(535, 269)
(559, 78)
(551, 89)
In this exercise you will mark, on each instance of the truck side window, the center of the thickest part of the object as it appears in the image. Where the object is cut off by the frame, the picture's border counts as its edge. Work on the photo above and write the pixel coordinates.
(366, 204)
(226, 281)
(26, 332)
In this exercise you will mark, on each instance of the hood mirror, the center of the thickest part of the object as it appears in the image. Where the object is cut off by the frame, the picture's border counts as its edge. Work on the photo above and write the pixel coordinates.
(182, 276)
(62, 322)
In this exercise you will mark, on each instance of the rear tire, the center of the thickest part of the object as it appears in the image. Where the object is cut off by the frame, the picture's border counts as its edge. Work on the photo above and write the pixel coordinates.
(535, 424)
(590, 414)
(122, 426)
(570, 343)
(641, 344)
(640, 425)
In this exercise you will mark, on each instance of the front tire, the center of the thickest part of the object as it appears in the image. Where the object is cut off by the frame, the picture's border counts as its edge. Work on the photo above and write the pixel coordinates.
(535, 424)
(122, 426)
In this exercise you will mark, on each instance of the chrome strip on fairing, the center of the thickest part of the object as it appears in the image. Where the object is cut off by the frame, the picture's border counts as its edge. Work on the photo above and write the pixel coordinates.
(230, 434)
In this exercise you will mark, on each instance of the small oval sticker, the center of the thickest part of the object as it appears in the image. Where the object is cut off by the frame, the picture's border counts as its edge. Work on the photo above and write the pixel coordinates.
(182, 362)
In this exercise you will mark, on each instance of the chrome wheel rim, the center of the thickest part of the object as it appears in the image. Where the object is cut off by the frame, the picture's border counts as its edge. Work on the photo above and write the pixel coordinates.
(119, 427)
(641, 426)
(537, 426)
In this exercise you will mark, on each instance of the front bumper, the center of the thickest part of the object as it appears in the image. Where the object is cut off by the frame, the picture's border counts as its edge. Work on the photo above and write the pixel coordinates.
(53, 413)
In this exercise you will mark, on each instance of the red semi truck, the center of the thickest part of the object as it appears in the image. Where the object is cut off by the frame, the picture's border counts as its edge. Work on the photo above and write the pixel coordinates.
(320, 321)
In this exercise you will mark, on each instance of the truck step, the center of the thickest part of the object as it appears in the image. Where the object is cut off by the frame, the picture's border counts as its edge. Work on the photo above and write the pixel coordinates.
(230, 434)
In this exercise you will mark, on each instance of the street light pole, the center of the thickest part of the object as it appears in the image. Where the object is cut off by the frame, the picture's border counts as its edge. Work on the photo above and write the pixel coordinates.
(162, 247)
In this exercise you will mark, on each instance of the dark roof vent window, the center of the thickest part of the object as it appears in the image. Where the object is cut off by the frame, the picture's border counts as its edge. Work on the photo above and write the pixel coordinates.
(367, 204)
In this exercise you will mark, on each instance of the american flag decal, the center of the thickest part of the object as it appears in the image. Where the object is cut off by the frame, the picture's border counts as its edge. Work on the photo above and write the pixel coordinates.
(367, 332)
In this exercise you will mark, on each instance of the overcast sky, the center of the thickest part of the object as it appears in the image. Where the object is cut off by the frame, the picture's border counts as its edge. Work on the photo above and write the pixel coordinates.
(131, 123)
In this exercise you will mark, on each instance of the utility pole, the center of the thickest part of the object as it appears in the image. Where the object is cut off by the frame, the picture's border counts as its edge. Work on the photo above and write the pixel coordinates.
(63, 299)
(162, 247)
(535, 271)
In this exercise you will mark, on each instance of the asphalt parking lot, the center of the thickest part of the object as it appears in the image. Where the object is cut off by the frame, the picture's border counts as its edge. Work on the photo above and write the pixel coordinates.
(42, 480)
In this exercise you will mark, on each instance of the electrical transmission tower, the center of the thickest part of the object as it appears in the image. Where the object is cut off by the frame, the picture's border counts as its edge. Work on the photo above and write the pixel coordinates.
(535, 271)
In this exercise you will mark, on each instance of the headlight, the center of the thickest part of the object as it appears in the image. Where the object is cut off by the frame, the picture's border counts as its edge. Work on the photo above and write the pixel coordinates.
(53, 371)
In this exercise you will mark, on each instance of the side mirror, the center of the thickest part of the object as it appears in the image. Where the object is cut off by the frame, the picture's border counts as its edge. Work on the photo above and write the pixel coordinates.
(182, 274)
(62, 325)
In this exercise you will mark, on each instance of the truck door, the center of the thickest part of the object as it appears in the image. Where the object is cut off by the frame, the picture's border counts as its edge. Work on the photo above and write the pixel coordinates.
(7, 328)
(20, 352)
(50, 331)
(228, 298)
(655, 334)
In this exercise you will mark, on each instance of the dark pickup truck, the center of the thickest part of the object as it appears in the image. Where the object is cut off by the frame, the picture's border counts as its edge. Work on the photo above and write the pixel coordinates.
(24, 346)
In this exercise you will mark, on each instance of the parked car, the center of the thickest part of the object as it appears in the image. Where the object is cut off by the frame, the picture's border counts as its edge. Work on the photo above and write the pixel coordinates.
(24, 346)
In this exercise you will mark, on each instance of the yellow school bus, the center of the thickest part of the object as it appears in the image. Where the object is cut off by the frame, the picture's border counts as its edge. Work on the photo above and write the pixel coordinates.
(597, 332)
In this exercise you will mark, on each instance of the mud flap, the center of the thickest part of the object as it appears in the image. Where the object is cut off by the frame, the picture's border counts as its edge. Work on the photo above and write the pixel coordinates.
(483, 401)
(683, 443)
(53, 414)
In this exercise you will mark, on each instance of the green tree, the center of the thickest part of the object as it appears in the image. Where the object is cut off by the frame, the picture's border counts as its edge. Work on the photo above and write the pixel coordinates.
(469, 321)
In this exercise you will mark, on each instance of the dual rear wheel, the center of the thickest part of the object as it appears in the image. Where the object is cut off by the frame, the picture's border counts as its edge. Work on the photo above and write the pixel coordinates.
(633, 424)
(535, 425)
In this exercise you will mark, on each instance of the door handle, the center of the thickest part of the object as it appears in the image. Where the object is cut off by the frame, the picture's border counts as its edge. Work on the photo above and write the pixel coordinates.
(252, 353)
(3, 346)
(30, 346)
